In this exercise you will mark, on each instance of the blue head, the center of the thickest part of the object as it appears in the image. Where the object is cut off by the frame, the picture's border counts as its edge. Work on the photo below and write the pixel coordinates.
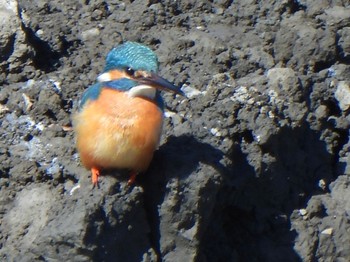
(132, 55)
(132, 67)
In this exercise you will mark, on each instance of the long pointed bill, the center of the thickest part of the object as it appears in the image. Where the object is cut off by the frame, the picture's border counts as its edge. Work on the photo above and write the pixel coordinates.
(160, 83)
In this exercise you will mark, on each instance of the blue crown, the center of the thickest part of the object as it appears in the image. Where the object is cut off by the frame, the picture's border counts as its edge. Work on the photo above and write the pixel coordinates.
(133, 55)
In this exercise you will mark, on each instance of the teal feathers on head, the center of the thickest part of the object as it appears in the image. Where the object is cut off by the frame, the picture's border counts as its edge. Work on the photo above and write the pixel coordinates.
(136, 66)
(133, 55)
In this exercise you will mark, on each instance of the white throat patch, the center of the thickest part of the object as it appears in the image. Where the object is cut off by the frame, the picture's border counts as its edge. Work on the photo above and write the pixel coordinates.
(142, 91)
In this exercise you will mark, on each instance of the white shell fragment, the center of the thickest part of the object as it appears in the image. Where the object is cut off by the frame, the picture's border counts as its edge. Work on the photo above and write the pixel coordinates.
(327, 231)
(73, 189)
(191, 92)
(303, 212)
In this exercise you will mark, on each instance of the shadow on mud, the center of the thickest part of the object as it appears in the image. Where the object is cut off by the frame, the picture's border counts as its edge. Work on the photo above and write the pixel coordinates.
(251, 220)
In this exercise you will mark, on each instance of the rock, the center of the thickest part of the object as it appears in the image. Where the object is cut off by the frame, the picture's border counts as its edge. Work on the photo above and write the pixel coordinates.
(299, 42)
(336, 16)
(283, 81)
(30, 215)
(314, 7)
(89, 34)
(342, 94)
(343, 42)
(9, 20)
(321, 112)
(14, 51)
(180, 238)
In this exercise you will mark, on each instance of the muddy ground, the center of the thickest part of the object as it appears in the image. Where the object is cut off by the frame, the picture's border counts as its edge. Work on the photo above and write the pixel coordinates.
(253, 165)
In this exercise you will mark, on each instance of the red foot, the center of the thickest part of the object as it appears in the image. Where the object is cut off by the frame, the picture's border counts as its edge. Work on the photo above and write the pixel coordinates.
(132, 178)
(94, 176)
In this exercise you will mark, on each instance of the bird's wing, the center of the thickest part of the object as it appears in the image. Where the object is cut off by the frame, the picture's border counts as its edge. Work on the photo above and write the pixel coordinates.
(91, 93)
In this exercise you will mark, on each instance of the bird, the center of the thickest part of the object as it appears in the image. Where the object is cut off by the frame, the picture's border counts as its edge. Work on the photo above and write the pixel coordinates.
(119, 121)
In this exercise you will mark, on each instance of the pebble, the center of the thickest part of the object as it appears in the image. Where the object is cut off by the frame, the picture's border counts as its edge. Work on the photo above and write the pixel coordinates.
(303, 212)
(327, 231)
(89, 34)
(342, 94)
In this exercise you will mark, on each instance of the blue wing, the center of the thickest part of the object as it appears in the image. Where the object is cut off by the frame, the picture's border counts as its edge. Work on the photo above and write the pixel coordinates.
(91, 93)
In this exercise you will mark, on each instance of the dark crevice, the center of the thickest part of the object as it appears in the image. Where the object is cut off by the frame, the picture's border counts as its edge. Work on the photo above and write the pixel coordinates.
(153, 220)
(51, 115)
(228, 64)
(65, 45)
(333, 108)
(44, 57)
(67, 105)
(28, 137)
(41, 258)
(155, 41)
(8, 49)
(344, 59)
(246, 135)
(5, 172)
(153, 197)
(322, 65)
(227, 4)
(296, 6)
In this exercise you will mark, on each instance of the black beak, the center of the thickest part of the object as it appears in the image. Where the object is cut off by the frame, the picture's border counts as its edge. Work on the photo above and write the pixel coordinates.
(160, 83)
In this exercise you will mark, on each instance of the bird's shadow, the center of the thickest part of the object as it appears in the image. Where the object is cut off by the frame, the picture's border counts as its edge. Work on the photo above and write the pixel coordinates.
(177, 158)
(250, 207)
(180, 156)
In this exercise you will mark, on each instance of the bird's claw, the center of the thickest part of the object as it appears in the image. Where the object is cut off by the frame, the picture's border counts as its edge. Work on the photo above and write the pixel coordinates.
(132, 178)
(94, 177)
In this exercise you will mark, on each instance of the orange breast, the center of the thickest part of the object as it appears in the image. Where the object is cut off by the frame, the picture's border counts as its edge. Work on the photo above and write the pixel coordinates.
(118, 131)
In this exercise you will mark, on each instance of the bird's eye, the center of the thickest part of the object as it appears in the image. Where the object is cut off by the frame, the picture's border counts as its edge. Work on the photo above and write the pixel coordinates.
(130, 71)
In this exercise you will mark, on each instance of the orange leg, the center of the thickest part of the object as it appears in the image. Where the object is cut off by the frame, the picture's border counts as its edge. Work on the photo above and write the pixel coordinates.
(94, 176)
(132, 178)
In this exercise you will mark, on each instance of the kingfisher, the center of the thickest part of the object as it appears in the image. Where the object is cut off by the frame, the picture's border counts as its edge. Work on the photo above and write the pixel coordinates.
(119, 121)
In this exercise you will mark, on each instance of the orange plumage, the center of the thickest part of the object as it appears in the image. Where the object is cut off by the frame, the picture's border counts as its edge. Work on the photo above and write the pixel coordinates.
(117, 131)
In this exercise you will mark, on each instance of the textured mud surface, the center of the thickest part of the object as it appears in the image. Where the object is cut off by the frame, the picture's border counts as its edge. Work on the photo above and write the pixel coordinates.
(253, 166)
